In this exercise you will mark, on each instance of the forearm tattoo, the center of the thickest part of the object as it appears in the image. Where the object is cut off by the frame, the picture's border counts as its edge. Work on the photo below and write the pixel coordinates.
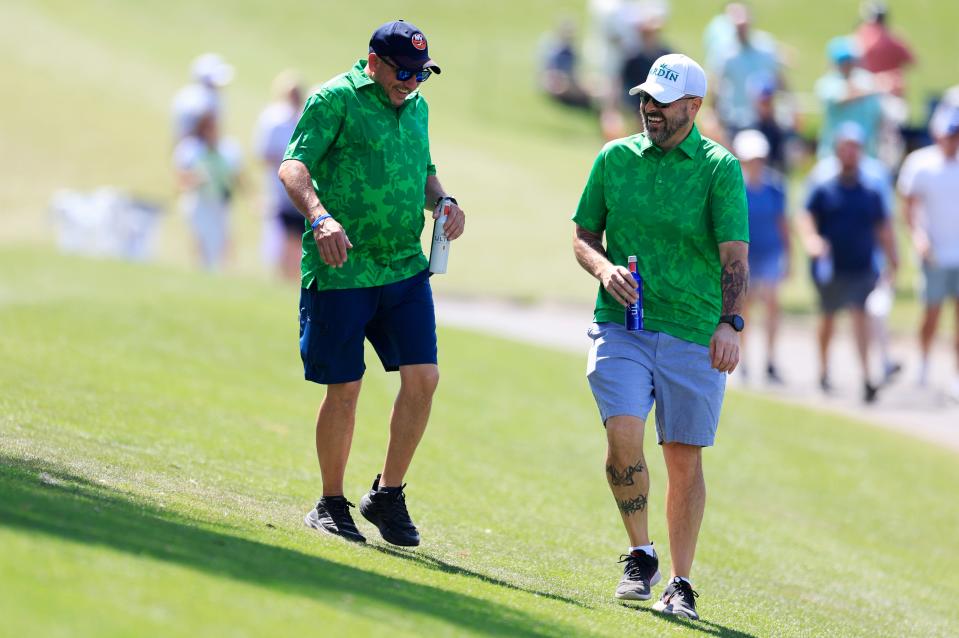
(632, 505)
(626, 476)
(735, 282)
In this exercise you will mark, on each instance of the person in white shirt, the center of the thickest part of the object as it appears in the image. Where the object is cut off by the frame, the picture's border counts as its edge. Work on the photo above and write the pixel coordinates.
(929, 185)
(210, 73)
(283, 225)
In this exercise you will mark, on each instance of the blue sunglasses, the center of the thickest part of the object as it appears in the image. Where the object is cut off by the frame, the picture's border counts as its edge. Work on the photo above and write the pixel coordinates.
(404, 74)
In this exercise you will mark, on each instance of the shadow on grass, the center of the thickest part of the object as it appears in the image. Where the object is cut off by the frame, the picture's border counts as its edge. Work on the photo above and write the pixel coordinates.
(432, 562)
(76, 509)
(704, 626)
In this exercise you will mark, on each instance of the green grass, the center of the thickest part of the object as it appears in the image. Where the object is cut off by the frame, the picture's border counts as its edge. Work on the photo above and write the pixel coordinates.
(89, 86)
(156, 460)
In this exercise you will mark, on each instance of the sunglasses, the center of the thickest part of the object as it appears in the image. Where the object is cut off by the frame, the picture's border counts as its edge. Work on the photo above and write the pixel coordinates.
(646, 98)
(404, 74)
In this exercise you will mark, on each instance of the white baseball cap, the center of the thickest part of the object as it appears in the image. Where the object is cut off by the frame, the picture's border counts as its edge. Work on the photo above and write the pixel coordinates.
(210, 69)
(671, 77)
(750, 144)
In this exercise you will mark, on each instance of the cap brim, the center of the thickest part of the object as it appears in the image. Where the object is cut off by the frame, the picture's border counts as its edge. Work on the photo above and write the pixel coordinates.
(658, 92)
(411, 65)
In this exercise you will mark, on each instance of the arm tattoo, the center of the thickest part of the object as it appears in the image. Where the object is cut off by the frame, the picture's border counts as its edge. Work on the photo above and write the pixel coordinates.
(632, 505)
(626, 476)
(735, 283)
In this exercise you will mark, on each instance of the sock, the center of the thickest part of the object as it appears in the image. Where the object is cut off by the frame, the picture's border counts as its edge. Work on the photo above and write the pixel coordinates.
(923, 371)
(644, 548)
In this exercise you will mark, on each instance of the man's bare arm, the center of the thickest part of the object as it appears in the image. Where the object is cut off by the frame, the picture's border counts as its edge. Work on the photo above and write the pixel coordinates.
(591, 255)
(734, 256)
(331, 239)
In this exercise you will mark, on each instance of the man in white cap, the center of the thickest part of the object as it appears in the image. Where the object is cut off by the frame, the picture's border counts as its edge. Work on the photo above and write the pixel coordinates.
(674, 200)
(929, 184)
(202, 96)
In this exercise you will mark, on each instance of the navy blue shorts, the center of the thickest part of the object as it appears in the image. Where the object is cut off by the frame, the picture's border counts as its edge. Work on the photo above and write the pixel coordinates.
(397, 318)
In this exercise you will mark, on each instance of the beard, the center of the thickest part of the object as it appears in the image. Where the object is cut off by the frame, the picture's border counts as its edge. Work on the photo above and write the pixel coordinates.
(669, 128)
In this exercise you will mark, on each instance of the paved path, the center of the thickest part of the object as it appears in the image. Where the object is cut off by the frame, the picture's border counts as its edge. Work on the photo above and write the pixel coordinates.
(902, 406)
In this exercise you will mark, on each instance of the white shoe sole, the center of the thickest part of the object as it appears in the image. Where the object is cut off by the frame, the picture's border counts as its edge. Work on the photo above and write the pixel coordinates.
(671, 611)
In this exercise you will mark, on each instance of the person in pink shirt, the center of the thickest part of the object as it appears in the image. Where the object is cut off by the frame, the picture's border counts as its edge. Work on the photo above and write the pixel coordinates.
(882, 52)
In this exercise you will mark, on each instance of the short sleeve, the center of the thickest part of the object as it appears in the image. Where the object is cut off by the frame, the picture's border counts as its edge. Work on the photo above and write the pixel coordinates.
(317, 129)
(187, 153)
(591, 211)
(727, 202)
(908, 177)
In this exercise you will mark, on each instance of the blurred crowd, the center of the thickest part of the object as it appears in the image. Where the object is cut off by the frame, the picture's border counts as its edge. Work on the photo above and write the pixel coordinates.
(208, 165)
(863, 150)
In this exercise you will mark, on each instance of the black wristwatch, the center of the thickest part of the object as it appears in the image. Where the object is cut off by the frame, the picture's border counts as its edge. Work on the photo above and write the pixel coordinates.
(449, 197)
(734, 320)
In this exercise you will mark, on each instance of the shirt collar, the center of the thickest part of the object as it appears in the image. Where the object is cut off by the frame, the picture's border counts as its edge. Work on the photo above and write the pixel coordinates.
(360, 79)
(688, 146)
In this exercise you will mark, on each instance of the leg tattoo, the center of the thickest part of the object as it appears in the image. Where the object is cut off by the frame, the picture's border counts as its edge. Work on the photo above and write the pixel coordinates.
(633, 505)
(626, 476)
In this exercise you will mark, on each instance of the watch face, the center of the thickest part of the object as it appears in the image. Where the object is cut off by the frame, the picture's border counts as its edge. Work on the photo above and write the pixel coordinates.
(738, 323)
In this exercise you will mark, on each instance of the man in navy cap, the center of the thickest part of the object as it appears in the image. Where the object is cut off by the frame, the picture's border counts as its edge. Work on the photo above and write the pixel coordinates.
(359, 170)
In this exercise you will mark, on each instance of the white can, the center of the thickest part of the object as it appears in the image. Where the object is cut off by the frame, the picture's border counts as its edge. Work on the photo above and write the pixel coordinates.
(440, 249)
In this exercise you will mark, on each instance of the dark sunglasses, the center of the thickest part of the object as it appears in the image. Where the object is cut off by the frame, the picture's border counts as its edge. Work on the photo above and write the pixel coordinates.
(646, 98)
(404, 74)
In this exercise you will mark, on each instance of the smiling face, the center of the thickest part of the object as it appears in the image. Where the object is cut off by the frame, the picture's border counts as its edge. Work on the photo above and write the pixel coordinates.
(385, 75)
(668, 125)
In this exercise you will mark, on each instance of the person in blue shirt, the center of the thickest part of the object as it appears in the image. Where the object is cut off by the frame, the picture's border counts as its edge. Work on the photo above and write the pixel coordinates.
(845, 220)
(768, 236)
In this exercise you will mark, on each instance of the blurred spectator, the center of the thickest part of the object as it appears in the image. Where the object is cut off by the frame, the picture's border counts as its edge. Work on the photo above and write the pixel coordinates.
(876, 176)
(845, 220)
(767, 123)
(649, 24)
(560, 62)
(210, 73)
(848, 94)
(768, 236)
(750, 61)
(883, 54)
(207, 171)
(929, 184)
(283, 225)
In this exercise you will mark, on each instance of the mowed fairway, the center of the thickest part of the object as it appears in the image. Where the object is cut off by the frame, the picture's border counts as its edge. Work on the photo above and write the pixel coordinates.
(156, 461)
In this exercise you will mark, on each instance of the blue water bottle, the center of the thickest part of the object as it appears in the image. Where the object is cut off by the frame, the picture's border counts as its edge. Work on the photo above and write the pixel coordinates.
(634, 311)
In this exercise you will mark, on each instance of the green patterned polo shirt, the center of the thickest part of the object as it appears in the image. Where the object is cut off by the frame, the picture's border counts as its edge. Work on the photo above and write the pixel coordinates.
(369, 162)
(671, 210)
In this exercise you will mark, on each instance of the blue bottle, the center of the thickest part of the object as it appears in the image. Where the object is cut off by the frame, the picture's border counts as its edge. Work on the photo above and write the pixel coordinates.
(634, 311)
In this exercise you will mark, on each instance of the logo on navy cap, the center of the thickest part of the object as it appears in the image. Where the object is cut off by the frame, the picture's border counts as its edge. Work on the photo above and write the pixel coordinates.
(419, 41)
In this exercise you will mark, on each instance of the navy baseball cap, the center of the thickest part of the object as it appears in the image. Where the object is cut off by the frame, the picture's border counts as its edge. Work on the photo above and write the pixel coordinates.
(404, 44)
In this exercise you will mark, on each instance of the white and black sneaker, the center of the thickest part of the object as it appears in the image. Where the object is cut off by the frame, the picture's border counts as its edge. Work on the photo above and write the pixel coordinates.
(678, 599)
(332, 515)
(640, 573)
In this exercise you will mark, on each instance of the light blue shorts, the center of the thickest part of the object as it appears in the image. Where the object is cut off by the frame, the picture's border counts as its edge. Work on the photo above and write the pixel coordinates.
(629, 371)
(939, 283)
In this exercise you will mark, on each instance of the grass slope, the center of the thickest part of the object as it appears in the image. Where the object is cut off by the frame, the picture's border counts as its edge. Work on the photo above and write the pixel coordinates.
(156, 460)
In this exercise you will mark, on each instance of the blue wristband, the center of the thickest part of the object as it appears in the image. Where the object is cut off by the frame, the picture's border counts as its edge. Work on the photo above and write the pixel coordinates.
(316, 222)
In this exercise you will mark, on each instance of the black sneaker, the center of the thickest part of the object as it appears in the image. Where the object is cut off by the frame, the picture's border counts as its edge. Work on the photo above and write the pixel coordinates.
(332, 515)
(639, 575)
(386, 508)
(772, 375)
(825, 385)
(869, 392)
(678, 599)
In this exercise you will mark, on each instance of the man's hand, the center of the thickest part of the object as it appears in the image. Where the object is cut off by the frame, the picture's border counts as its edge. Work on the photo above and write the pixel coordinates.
(455, 218)
(817, 246)
(619, 283)
(332, 242)
(724, 348)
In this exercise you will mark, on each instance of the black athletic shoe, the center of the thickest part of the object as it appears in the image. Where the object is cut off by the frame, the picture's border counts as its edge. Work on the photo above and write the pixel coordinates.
(386, 508)
(332, 515)
(869, 393)
(678, 599)
(640, 573)
(772, 375)
(825, 384)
